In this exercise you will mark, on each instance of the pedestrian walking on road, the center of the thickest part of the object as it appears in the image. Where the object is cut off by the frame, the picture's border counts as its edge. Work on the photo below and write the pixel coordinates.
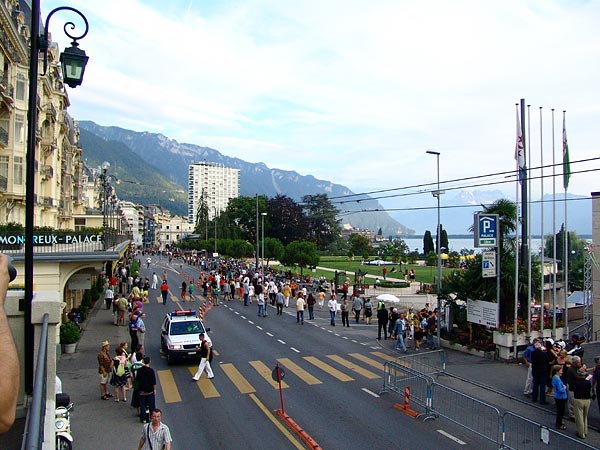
(164, 291)
(368, 311)
(399, 330)
(155, 435)
(310, 302)
(527, 360)
(300, 304)
(382, 321)
(154, 281)
(345, 310)
(357, 307)
(205, 359)
(560, 396)
(279, 300)
(183, 290)
(332, 305)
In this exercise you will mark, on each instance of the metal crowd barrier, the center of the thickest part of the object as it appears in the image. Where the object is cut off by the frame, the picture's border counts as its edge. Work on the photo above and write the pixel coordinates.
(397, 377)
(519, 432)
(505, 431)
(474, 415)
(427, 363)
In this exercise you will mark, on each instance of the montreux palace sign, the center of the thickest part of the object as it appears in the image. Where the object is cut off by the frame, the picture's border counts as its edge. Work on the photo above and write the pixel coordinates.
(50, 239)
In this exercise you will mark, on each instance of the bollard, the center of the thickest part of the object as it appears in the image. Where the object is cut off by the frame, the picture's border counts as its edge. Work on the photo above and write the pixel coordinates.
(405, 408)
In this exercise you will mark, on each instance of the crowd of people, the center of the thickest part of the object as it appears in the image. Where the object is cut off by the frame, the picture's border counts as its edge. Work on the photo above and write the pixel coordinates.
(553, 372)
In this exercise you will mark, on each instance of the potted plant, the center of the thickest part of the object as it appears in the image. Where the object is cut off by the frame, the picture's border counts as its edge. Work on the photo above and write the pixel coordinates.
(69, 336)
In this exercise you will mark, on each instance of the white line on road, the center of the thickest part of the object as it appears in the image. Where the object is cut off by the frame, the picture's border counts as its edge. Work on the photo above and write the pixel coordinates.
(449, 436)
(251, 322)
(295, 349)
(237, 313)
(259, 327)
(355, 341)
(363, 343)
(370, 393)
(243, 317)
(269, 334)
(280, 341)
(337, 334)
(344, 337)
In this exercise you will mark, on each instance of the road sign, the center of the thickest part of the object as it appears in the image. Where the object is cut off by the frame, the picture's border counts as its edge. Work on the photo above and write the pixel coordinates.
(486, 230)
(488, 264)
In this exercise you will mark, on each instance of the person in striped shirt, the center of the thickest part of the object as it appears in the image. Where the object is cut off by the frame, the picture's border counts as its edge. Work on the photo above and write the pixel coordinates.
(155, 435)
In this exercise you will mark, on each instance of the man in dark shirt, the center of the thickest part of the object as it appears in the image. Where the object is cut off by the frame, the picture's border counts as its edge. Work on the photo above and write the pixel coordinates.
(146, 381)
(382, 321)
(539, 372)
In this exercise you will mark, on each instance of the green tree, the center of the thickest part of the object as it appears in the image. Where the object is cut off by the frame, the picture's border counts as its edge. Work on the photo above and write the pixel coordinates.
(301, 254)
(274, 249)
(359, 245)
(576, 253)
(323, 225)
(444, 240)
(201, 226)
(428, 243)
(287, 219)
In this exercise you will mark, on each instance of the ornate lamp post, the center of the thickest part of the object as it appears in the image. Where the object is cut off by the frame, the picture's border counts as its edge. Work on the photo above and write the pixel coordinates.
(73, 62)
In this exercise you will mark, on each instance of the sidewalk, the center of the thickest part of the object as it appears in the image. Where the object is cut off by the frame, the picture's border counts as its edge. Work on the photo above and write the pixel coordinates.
(94, 421)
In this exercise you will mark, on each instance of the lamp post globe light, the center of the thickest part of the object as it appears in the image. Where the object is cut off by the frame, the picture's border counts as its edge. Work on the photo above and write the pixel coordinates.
(437, 193)
(73, 62)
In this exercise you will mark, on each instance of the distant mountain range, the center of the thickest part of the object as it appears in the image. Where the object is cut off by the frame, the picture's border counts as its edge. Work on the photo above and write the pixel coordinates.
(153, 169)
(458, 208)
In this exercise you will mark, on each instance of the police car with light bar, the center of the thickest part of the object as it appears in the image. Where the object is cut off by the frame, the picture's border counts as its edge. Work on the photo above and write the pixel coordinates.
(180, 335)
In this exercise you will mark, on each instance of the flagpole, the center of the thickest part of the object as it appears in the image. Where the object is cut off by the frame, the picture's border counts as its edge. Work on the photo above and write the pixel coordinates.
(524, 197)
(542, 255)
(529, 293)
(566, 176)
(520, 163)
(554, 265)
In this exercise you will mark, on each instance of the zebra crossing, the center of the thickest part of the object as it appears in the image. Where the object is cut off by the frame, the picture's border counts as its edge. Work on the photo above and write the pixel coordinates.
(306, 371)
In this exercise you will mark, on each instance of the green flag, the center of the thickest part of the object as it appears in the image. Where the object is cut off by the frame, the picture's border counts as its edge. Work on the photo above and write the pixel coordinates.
(566, 162)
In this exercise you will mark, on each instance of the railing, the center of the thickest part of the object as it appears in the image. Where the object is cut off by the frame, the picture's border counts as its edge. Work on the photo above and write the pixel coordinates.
(428, 363)
(397, 377)
(34, 432)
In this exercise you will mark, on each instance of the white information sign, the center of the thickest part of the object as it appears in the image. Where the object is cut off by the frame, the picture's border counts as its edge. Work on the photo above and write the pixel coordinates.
(483, 313)
(488, 264)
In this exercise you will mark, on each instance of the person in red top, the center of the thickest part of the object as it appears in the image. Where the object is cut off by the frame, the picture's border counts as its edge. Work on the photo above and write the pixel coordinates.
(164, 290)
(384, 271)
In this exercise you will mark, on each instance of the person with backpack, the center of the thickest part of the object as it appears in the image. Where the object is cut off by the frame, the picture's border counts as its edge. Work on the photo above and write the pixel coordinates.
(368, 310)
(133, 329)
(119, 379)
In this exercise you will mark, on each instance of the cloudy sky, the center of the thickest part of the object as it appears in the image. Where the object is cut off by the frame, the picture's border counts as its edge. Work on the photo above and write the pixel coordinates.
(351, 91)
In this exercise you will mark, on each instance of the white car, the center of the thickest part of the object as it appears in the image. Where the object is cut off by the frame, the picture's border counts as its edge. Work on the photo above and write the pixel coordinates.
(180, 335)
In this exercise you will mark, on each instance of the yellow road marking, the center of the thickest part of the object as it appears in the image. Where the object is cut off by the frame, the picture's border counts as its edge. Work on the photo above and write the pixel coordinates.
(299, 371)
(237, 378)
(168, 386)
(277, 423)
(329, 369)
(371, 362)
(265, 372)
(384, 356)
(205, 385)
(353, 367)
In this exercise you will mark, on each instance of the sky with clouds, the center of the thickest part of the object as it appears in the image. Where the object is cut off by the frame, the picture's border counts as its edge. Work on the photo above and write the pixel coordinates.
(350, 91)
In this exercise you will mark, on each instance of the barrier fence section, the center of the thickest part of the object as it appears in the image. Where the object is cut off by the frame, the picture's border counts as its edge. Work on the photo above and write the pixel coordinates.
(519, 432)
(427, 363)
(397, 377)
(468, 412)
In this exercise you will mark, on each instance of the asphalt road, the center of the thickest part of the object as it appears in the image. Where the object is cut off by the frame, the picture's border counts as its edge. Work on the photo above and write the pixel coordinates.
(332, 379)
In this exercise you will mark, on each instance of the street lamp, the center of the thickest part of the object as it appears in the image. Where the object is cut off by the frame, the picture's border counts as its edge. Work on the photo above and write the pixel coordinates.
(107, 199)
(263, 237)
(437, 194)
(73, 63)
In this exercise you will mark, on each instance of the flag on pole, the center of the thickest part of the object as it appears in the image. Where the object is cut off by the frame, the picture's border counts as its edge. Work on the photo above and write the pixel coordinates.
(566, 161)
(520, 150)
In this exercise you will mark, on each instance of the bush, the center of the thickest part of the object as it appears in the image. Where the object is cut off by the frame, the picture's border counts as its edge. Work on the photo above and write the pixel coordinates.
(69, 333)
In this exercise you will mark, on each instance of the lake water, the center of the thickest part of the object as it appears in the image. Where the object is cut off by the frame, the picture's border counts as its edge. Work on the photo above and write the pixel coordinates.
(459, 243)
